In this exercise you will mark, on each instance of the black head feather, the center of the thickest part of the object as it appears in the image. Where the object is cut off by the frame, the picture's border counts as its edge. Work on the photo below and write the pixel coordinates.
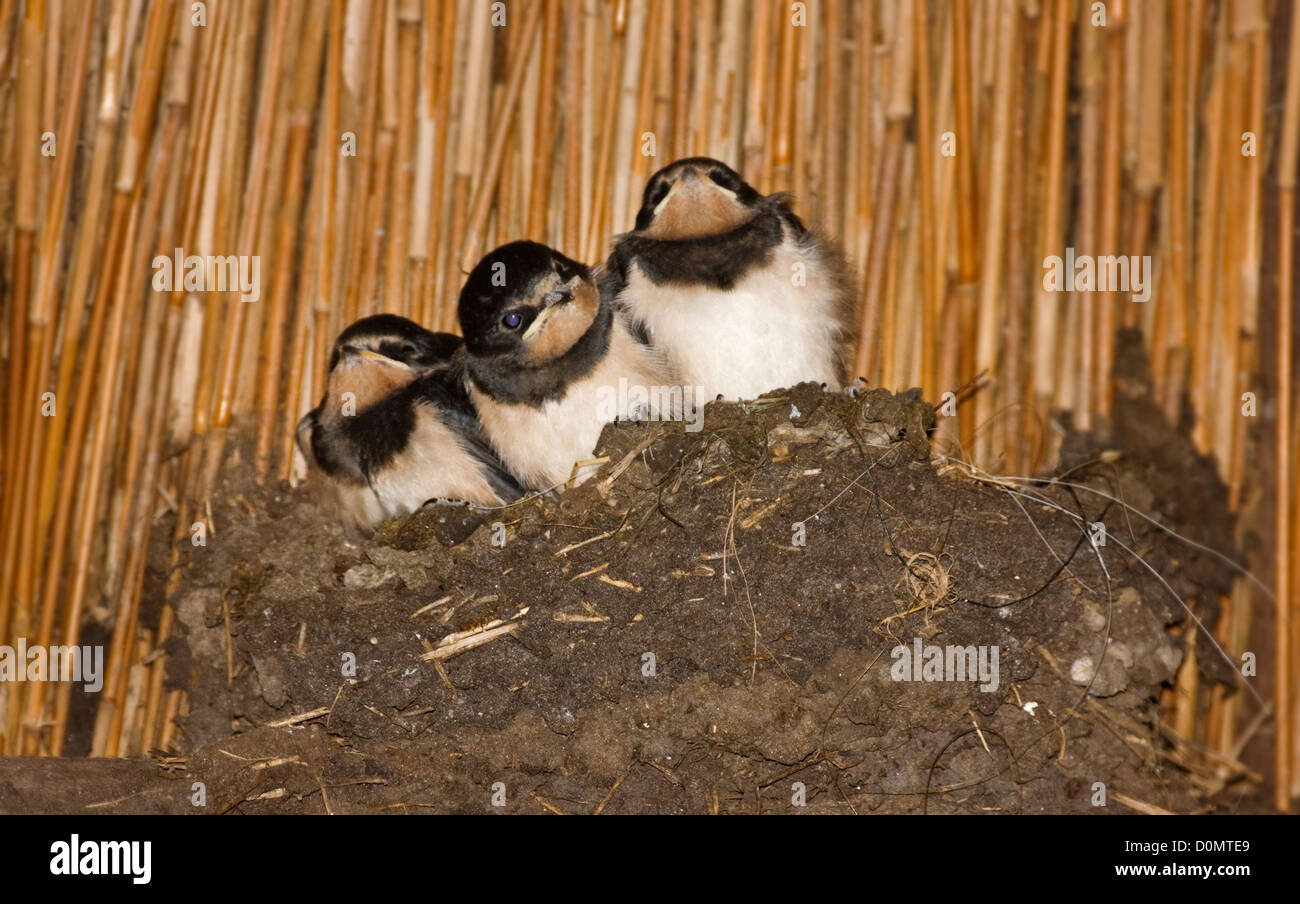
(399, 339)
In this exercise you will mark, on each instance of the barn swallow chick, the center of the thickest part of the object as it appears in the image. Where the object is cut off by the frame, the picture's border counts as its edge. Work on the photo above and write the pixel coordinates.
(396, 429)
(739, 296)
(545, 354)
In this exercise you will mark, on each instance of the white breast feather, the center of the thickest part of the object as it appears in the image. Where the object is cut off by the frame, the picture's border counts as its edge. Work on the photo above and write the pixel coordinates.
(541, 444)
(764, 333)
(433, 465)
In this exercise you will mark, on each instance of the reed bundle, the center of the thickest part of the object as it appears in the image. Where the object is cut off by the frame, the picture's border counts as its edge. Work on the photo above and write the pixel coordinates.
(366, 152)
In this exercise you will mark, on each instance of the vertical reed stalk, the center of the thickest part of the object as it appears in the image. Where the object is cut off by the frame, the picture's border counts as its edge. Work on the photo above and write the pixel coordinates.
(1285, 648)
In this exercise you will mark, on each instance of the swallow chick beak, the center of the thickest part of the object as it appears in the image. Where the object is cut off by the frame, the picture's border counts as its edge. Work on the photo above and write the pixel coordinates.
(721, 189)
(693, 186)
(694, 206)
(352, 355)
(552, 304)
(702, 183)
(659, 208)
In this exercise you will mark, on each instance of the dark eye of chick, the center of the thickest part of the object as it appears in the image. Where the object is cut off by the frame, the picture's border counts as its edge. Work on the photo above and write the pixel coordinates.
(512, 320)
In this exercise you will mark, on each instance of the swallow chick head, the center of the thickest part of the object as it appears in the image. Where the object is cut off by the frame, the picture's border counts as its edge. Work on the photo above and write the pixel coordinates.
(695, 197)
(527, 305)
(707, 277)
(371, 360)
(379, 354)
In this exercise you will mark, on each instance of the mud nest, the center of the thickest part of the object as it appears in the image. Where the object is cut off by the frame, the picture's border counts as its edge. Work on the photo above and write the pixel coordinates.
(714, 622)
